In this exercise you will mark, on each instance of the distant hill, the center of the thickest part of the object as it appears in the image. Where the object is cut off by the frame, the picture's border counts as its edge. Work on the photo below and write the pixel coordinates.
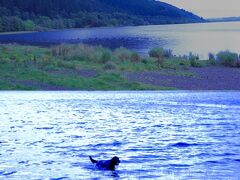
(226, 19)
(18, 15)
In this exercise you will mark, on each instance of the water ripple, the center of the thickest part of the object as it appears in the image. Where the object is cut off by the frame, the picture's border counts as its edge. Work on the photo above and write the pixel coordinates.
(157, 135)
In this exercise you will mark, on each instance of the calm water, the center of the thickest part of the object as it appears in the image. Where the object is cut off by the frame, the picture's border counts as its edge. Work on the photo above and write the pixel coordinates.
(162, 135)
(197, 38)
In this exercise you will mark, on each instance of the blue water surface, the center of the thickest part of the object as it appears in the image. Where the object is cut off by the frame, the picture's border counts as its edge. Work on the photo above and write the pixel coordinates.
(181, 38)
(157, 135)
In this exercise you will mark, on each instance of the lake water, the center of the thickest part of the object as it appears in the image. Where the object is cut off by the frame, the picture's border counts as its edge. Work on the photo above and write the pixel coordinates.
(161, 135)
(182, 38)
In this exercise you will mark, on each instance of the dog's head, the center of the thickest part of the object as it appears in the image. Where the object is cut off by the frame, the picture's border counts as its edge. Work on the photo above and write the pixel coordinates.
(115, 160)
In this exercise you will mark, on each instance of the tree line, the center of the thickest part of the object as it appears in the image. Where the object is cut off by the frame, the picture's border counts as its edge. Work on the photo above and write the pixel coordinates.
(39, 15)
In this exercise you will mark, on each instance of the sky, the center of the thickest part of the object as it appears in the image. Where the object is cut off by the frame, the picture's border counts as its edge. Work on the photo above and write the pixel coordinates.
(209, 8)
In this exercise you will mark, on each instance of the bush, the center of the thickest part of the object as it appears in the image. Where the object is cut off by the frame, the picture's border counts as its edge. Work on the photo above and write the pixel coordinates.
(196, 63)
(106, 56)
(211, 57)
(96, 54)
(145, 61)
(227, 58)
(157, 53)
(124, 54)
(168, 53)
(160, 53)
(109, 66)
(60, 50)
(192, 56)
(70, 52)
(135, 57)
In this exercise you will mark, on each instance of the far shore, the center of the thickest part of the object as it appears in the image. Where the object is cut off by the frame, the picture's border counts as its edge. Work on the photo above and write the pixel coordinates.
(17, 32)
(103, 27)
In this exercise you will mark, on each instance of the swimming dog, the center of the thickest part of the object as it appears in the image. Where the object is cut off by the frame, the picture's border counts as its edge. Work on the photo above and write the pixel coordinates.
(106, 164)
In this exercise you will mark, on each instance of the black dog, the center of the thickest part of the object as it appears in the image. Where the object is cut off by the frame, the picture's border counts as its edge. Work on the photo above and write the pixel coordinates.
(108, 164)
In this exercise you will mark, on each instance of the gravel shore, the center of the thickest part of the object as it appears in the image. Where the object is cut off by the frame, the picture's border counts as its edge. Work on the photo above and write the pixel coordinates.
(206, 78)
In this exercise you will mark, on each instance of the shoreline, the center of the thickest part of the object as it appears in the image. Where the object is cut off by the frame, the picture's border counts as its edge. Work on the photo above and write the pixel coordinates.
(209, 79)
(206, 79)
(105, 27)
(17, 32)
(92, 68)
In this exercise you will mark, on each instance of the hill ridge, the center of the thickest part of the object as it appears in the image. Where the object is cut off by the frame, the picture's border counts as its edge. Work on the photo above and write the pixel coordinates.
(57, 14)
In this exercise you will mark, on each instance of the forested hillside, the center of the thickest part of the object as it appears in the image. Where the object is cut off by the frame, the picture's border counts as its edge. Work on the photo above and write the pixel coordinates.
(19, 15)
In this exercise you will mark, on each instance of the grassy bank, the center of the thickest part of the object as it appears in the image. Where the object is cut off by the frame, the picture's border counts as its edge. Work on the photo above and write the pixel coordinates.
(82, 67)
(63, 67)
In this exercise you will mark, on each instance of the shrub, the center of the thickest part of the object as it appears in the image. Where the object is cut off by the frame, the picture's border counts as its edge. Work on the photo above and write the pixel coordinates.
(135, 57)
(72, 51)
(157, 53)
(168, 53)
(192, 56)
(194, 60)
(96, 54)
(160, 53)
(106, 56)
(124, 54)
(145, 61)
(197, 63)
(109, 66)
(227, 58)
(211, 57)
(60, 50)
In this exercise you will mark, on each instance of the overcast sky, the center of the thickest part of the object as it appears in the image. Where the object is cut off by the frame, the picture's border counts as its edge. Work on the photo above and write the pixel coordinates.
(209, 8)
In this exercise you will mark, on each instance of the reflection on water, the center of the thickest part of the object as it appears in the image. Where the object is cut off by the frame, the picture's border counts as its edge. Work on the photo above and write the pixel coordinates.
(168, 135)
(183, 38)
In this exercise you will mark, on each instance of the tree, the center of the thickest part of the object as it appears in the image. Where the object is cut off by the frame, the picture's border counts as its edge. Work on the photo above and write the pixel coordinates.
(29, 25)
(4, 24)
(15, 24)
(89, 13)
(1, 25)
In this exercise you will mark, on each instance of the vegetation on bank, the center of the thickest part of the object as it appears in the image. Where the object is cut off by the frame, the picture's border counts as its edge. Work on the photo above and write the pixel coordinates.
(74, 67)
(83, 67)
(227, 58)
(29, 15)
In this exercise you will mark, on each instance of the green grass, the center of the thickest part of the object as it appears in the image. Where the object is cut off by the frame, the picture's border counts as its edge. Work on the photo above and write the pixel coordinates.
(103, 81)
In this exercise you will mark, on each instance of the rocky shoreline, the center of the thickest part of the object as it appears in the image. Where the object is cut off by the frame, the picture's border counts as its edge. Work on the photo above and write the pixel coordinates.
(204, 78)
